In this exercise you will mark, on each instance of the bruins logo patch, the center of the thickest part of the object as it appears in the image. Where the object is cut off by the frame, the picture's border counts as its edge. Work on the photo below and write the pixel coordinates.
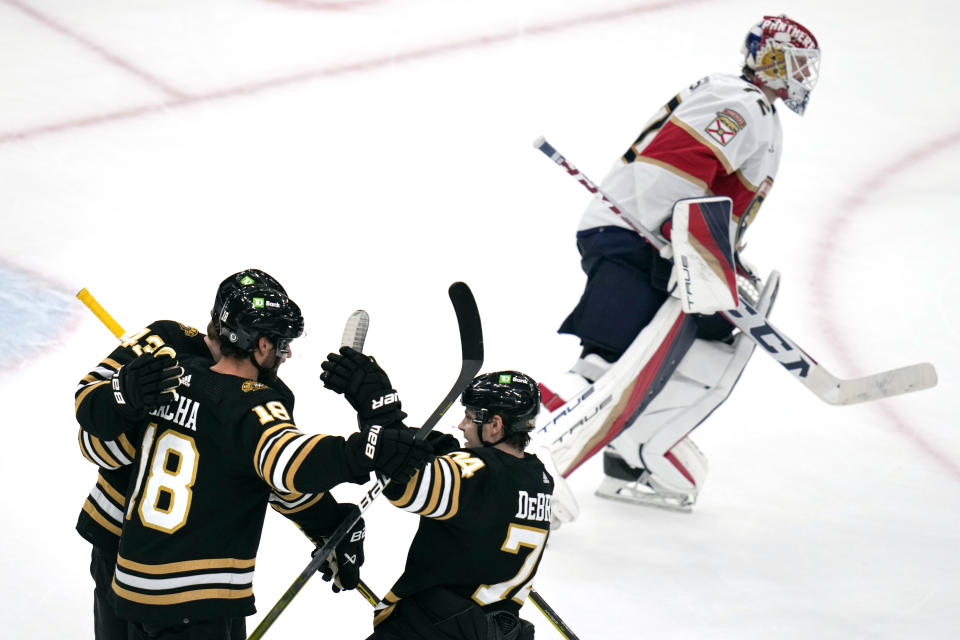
(190, 332)
(252, 385)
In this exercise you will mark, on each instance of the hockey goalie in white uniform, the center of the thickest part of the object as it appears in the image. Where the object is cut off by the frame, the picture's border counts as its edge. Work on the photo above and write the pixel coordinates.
(651, 370)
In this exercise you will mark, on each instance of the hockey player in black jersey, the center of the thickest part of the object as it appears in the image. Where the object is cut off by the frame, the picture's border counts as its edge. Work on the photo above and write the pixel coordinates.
(485, 514)
(207, 463)
(101, 517)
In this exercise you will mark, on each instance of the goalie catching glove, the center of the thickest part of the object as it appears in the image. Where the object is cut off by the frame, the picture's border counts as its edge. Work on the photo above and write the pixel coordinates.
(147, 383)
(365, 386)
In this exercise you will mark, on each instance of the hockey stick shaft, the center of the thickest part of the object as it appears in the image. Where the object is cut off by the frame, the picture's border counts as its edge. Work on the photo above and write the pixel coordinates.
(552, 616)
(471, 344)
(775, 343)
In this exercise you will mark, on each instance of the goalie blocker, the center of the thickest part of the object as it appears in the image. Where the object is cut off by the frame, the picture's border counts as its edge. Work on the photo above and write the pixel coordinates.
(642, 408)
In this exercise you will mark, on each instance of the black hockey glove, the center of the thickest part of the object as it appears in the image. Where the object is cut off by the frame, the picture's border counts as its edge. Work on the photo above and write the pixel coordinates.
(343, 565)
(392, 452)
(442, 443)
(146, 383)
(365, 386)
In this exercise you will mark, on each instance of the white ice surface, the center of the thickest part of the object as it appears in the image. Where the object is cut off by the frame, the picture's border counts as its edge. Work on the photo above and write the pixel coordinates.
(368, 153)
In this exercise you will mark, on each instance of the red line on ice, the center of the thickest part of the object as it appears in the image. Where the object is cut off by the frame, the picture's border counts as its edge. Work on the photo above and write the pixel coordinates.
(825, 261)
(178, 99)
(86, 43)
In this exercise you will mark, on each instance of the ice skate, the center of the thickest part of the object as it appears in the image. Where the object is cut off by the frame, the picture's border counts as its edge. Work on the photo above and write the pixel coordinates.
(633, 485)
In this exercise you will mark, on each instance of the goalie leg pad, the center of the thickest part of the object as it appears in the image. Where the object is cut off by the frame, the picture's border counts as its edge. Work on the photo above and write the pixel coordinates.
(590, 420)
(657, 441)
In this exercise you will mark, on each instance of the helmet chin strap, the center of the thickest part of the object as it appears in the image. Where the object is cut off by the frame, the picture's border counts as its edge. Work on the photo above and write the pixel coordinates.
(490, 444)
(264, 374)
(480, 420)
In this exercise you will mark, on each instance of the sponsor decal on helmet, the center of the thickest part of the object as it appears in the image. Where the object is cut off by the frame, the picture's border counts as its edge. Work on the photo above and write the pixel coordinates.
(505, 378)
(258, 303)
(247, 280)
(799, 35)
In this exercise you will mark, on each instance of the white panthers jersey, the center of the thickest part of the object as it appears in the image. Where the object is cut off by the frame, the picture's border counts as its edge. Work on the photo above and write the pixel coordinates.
(721, 136)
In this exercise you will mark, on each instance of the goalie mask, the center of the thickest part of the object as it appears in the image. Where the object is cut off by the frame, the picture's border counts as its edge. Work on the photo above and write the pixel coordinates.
(513, 396)
(250, 313)
(783, 56)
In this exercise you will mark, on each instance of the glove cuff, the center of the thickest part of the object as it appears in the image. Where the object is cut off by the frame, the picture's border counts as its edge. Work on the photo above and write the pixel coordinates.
(357, 463)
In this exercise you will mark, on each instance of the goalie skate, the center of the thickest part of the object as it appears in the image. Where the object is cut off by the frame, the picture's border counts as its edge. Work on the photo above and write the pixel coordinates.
(624, 483)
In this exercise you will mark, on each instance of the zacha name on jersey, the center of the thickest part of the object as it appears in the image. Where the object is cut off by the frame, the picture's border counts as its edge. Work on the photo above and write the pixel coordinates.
(184, 415)
(533, 507)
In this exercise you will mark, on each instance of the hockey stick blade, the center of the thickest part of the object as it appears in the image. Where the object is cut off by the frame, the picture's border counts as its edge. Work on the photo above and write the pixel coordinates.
(822, 383)
(355, 331)
(777, 345)
(885, 384)
(471, 345)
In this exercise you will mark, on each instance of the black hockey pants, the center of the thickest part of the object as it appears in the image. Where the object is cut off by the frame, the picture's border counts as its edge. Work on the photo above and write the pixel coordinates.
(440, 614)
(106, 624)
(626, 286)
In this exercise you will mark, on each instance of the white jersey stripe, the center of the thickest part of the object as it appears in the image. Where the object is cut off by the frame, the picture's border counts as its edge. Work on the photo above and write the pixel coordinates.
(106, 505)
(158, 584)
(426, 480)
(446, 488)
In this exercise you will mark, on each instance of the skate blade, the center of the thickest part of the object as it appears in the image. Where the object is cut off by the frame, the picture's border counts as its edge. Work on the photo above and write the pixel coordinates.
(630, 495)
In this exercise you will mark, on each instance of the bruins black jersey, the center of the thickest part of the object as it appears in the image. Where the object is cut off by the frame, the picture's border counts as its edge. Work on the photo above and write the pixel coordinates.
(486, 520)
(205, 469)
(101, 517)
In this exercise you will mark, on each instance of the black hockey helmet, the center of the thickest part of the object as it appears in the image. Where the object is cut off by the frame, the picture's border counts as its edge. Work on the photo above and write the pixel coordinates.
(259, 310)
(512, 395)
(245, 278)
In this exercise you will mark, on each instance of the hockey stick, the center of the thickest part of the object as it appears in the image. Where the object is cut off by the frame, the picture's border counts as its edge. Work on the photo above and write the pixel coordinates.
(355, 331)
(552, 616)
(471, 345)
(822, 383)
(354, 335)
(87, 298)
(540, 603)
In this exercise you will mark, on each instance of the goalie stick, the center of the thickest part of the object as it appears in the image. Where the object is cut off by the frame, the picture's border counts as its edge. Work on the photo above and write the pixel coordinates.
(471, 346)
(825, 385)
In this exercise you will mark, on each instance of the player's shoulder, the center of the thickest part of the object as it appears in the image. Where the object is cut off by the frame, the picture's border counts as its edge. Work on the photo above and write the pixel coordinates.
(225, 389)
(496, 463)
(727, 91)
(182, 337)
(281, 387)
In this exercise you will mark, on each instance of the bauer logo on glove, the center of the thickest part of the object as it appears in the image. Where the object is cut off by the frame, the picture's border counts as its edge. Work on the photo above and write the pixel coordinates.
(382, 401)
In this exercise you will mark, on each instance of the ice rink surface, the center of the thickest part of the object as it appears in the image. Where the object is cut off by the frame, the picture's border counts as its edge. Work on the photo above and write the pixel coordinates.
(368, 153)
